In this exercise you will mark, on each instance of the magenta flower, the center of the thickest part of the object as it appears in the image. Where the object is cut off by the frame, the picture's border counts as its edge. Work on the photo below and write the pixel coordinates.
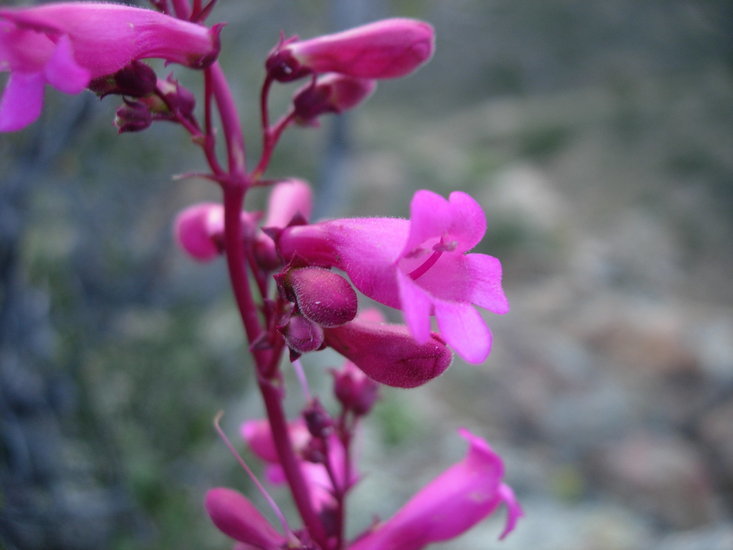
(384, 49)
(68, 44)
(420, 266)
(452, 503)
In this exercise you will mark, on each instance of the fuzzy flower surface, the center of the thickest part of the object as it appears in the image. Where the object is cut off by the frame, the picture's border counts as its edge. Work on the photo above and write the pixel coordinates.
(68, 44)
(448, 506)
(421, 266)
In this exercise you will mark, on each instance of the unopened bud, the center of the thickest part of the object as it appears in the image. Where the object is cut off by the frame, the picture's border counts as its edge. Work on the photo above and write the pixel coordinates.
(354, 389)
(388, 354)
(317, 419)
(322, 296)
(333, 93)
(134, 80)
(176, 96)
(132, 116)
(302, 335)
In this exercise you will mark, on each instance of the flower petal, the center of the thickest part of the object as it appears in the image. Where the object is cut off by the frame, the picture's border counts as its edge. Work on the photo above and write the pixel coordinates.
(22, 101)
(63, 72)
(485, 273)
(463, 329)
(468, 221)
(514, 510)
(430, 218)
(448, 506)
(416, 307)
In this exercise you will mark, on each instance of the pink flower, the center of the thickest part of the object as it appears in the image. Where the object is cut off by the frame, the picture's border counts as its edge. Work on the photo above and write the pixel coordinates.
(384, 49)
(452, 503)
(68, 44)
(420, 266)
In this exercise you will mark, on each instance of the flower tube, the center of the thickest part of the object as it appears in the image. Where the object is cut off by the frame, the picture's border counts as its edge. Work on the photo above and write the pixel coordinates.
(389, 48)
(68, 44)
(448, 506)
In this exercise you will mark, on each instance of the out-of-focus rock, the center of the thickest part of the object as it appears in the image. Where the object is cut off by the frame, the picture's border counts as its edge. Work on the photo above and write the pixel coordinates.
(659, 474)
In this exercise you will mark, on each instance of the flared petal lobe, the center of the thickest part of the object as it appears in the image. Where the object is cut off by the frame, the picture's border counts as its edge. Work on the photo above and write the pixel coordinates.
(452, 503)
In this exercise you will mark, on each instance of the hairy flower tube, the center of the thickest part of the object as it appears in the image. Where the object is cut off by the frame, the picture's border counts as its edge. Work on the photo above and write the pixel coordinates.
(68, 44)
(389, 48)
(388, 354)
(420, 266)
(448, 506)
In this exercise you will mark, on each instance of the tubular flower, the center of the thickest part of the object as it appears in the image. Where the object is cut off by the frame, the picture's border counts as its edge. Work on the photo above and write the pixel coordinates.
(420, 266)
(389, 48)
(452, 503)
(68, 44)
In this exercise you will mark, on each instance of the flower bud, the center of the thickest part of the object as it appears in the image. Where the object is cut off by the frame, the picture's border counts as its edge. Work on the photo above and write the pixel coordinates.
(334, 93)
(388, 354)
(322, 296)
(354, 389)
(317, 419)
(384, 49)
(301, 335)
(315, 451)
(176, 96)
(133, 80)
(132, 116)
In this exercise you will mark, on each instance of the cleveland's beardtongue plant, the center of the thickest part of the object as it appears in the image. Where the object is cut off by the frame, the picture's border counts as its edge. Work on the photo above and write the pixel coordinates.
(296, 283)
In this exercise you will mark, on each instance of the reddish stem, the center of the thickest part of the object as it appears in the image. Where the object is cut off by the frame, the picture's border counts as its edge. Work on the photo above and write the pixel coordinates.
(235, 188)
(231, 126)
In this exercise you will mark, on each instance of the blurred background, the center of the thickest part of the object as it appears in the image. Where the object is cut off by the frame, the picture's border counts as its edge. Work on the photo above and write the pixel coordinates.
(599, 138)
